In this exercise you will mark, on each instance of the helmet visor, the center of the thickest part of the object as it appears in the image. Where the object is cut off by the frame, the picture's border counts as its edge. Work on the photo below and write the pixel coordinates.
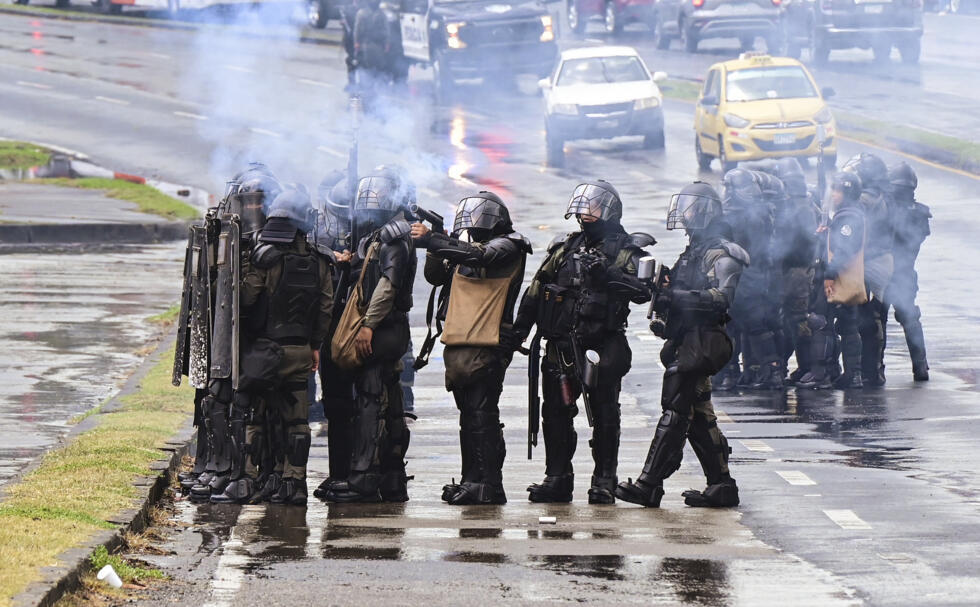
(690, 211)
(377, 193)
(477, 212)
(591, 201)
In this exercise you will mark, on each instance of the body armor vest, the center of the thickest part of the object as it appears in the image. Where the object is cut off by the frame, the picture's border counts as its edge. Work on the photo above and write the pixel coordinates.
(292, 304)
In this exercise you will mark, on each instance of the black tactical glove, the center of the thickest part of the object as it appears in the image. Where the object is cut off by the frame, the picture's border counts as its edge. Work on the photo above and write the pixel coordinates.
(593, 267)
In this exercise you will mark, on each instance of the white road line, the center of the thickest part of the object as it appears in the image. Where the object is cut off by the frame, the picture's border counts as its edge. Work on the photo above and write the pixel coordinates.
(112, 100)
(795, 477)
(190, 115)
(315, 82)
(754, 444)
(239, 68)
(266, 132)
(646, 337)
(330, 151)
(812, 495)
(160, 55)
(723, 417)
(234, 556)
(640, 175)
(846, 519)
(33, 85)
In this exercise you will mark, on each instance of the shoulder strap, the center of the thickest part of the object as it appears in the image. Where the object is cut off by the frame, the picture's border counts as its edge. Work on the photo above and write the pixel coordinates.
(372, 248)
(430, 338)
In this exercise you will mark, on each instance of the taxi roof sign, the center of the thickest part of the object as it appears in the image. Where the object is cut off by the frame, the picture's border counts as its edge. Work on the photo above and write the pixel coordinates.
(757, 57)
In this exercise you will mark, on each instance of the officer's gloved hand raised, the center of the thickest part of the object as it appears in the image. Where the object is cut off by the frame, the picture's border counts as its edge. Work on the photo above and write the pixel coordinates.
(420, 232)
(593, 267)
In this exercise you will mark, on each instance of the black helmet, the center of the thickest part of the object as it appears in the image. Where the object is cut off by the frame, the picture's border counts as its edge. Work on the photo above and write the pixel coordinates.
(485, 211)
(741, 186)
(382, 196)
(332, 194)
(597, 199)
(849, 184)
(870, 168)
(790, 172)
(330, 233)
(902, 176)
(694, 208)
(253, 171)
(289, 212)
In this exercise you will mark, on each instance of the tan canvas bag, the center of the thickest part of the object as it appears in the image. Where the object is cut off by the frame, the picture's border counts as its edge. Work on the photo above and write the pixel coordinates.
(476, 307)
(342, 349)
(849, 288)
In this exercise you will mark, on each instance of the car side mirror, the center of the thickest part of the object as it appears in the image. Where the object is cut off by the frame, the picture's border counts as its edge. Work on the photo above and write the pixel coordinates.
(709, 100)
(827, 92)
(544, 84)
(659, 76)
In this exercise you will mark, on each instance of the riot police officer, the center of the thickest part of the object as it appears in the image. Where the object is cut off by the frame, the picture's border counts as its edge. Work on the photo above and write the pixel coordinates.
(331, 236)
(910, 221)
(371, 44)
(579, 299)
(755, 309)
(380, 434)
(692, 312)
(878, 261)
(287, 294)
(840, 267)
(481, 282)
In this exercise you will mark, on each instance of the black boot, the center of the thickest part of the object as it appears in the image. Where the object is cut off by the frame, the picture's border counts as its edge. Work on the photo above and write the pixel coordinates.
(917, 350)
(553, 489)
(292, 492)
(559, 446)
(850, 348)
(241, 491)
(723, 494)
(394, 486)
(343, 493)
(605, 454)
(486, 447)
(663, 458)
(271, 486)
(818, 377)
(640, 493)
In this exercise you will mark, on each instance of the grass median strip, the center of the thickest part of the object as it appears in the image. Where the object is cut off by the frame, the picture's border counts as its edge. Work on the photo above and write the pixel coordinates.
(20, 155)
(79, 486)
(148, 199)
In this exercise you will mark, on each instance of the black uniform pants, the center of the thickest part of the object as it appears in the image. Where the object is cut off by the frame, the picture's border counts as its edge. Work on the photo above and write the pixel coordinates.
(337, 396)
(561, 388)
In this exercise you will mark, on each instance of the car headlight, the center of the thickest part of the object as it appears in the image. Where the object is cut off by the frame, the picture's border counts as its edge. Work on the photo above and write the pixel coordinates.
(736, 121)
(452, 35)
(565, 108)
(824, 116)
(547, 31)
(646, 103)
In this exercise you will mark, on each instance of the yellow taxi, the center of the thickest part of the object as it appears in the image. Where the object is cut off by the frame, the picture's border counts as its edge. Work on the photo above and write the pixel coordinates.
(758, 106)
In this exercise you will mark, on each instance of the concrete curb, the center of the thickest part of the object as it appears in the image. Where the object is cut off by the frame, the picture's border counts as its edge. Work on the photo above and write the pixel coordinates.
(20, 235)
(66, 577)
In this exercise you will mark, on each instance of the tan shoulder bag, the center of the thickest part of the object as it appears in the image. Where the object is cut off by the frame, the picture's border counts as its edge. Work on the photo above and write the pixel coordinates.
(342, 349)
(476, 307)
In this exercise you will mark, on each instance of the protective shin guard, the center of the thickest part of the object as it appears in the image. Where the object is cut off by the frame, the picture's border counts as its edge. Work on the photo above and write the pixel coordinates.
(850, 347)
(711, 448)
(917, 350)
(605, 453)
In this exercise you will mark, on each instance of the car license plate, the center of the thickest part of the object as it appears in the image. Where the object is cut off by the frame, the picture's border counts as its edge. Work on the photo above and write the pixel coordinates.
(608, 124)
(784, 138)
(874, 9)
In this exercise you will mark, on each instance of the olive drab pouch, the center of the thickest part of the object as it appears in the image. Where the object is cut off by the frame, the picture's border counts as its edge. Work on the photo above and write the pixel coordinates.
(556, 319)
(705, 349)
(476, 307)
(259, 365)
(342, 350)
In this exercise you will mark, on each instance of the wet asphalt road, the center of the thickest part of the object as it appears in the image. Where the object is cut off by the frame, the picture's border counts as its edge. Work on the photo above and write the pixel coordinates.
(866, 496)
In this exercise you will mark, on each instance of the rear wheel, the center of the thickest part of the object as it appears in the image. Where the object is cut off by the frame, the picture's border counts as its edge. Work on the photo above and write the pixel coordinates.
(882, 51)
(575, 21)
(704, 160)
(689, 38)
(555, 149)
(316, 14)
(910, 51)
(613, 23)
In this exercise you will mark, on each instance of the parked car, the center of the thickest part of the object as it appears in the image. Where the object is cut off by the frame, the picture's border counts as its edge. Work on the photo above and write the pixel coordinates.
(599, 93)
(759, 106)
(695, 20)
(614, 13)
(879, 25)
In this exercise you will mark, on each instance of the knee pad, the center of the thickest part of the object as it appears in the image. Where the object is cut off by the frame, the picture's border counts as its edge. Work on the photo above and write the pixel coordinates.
(298, 448)
(907, 315)
(674, 396)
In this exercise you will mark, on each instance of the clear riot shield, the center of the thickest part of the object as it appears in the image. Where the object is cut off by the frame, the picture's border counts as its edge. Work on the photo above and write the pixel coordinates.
(181, 354)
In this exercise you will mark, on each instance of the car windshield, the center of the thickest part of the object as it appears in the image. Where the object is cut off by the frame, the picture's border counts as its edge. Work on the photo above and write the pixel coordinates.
(601, 70)
(784, 82)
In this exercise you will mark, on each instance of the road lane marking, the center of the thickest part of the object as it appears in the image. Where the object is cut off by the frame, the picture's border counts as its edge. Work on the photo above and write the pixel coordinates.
(112, 100)
(34, 85)
(812, 495)
(266, 132)
(330, 151)
(795, 477)
(160, 55)
(315, 82)
(754, 444)
(640, 175)
(919, 159)
(846, 519)
(230, 572)
(723, 417)
(190, 115)
(239, 68)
